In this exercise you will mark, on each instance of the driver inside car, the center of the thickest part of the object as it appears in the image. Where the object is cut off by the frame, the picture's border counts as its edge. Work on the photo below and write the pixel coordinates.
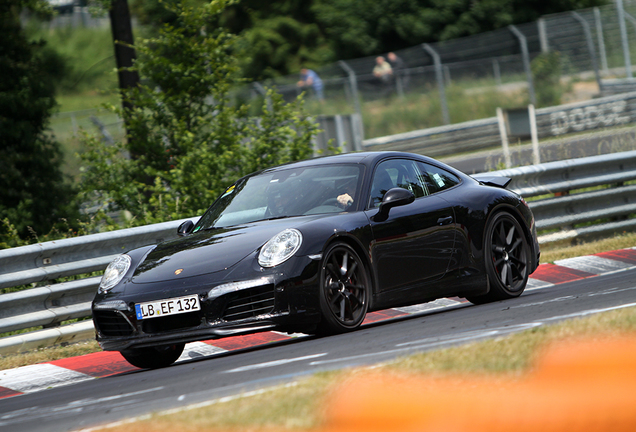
(348, 191)
(278, 200)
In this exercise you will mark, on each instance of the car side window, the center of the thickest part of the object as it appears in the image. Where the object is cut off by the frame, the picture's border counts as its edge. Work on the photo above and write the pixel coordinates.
(436, 179)
(393, 173)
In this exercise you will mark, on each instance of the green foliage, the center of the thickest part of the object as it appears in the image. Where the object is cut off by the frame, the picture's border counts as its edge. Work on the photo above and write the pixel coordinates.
(187, 140)
(281, 37)
(356, 28)
(284, 34)
(546, 74)
(155, 13)
(282, 45)
(34, 194)
(10, 237)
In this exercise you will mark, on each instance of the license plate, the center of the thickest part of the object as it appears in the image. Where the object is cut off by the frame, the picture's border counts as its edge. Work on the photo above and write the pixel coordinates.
(167, 307)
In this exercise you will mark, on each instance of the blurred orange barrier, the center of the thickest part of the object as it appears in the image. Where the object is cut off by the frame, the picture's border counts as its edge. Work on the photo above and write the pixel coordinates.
(575, 386)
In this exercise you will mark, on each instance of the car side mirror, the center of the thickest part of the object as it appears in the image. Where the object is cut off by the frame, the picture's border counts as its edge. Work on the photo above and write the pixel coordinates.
(394, 197)
(185, 228)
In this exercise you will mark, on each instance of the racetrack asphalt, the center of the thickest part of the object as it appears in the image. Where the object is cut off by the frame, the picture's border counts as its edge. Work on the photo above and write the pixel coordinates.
(34, 378)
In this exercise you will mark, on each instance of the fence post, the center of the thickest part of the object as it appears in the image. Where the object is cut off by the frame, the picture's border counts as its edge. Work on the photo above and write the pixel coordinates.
(590, 47)
(497, 71)
(534, 135)
(601, 41)
(398, 75)
(106, 137)
(358, 131)
(353, 83)
(398, 85)
(526, 61)
(439, 74)
(340, 135)
(623, 30)
(447, 75)
(76, 16)
(543, 36)
(504, 137)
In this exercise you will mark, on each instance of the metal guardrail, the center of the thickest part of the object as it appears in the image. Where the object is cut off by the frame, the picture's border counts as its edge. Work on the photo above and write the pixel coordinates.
(73, 256)
(51, 304)
(346, 131)
(617, 86)
(571, 174)
(614, 204)
(586, 207)
(479, 134)
(441, 140)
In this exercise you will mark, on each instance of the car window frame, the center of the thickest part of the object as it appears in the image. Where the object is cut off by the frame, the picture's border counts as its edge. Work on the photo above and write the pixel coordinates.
(459, 178)
(369, 204)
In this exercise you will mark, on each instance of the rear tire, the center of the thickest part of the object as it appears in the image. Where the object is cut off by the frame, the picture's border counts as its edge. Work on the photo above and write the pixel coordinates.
(345, 290)
(153, 357)
(507, 258)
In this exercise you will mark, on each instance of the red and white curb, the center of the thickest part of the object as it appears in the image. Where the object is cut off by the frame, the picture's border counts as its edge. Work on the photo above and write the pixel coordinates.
(34, 378)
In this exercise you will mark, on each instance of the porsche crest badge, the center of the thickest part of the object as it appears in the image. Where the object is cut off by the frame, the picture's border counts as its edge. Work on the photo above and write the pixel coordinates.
(178, 271)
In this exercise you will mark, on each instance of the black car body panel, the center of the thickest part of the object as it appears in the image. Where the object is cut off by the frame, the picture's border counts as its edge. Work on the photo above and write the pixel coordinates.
(430, 248)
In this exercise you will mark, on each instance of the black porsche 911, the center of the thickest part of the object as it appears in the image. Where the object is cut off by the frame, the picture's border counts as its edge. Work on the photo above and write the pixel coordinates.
(313, 246)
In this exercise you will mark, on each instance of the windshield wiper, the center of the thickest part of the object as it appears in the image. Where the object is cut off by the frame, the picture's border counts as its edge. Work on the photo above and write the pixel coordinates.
(211, 228)
(276, 217)
(249, 221)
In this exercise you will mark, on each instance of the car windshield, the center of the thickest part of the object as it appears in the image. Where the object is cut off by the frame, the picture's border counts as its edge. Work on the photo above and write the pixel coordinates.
(285, 193)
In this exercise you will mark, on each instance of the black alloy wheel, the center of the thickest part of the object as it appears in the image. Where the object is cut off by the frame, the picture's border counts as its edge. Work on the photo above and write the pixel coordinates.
(345, 290)
(153, 357)
(507, 254)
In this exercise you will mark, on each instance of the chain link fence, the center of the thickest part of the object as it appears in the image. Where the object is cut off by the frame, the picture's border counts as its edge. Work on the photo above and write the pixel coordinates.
(465, 79)
(589, 42)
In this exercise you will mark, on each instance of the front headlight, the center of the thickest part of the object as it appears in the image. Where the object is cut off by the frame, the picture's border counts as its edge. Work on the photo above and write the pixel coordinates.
(280, 248)
(114, 272)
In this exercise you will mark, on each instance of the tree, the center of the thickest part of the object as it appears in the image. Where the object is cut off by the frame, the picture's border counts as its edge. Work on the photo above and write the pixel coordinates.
(356, 28)
(34, 193)
(280, 35)
(277, 36)
(192, 139)
(121, 27)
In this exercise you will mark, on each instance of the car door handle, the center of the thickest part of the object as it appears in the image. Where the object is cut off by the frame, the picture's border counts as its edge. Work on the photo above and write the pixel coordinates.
(444, 220)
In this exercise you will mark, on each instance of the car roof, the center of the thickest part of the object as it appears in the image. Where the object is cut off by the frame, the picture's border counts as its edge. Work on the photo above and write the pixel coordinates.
(368, 159)
(365, 158)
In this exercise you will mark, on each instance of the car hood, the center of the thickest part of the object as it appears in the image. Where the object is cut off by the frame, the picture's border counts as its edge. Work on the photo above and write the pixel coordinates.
(209, 251)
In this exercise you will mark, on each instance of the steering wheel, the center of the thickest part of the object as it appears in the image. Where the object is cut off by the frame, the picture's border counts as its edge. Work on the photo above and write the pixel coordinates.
(331, 202)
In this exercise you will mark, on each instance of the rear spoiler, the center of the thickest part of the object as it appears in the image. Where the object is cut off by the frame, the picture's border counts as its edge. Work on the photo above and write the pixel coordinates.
(496, 181)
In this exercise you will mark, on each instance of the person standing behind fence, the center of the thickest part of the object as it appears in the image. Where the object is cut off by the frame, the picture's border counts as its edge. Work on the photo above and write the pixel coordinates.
(400, 72)
(309, 78)
(383, 73)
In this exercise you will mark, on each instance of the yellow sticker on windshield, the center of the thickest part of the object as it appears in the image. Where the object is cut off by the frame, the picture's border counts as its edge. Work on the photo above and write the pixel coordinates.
(229, 191)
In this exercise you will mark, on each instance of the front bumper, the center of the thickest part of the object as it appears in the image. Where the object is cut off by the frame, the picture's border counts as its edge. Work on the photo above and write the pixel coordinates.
(227, 309)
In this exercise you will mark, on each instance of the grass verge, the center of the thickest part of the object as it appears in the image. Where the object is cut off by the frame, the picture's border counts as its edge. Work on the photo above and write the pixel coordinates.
(551, 253)
(48, 354)
(301, 406)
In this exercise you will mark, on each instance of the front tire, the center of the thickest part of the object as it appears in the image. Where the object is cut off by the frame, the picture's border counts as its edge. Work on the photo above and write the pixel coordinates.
(507, 257)
(345, 290)
(153, 357)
